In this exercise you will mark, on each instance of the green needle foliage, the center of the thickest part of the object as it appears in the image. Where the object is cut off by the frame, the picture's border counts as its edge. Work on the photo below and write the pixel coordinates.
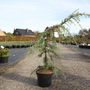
(46, 48)
(4, 52)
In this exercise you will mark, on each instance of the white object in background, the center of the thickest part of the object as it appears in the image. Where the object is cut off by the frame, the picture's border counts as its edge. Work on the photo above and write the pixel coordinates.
(2, 47)
(88, 44)
(56, 34)
(45, 38)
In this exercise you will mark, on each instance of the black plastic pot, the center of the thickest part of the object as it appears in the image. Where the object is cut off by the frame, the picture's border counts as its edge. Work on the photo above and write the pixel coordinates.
(22, 46)
(28, 45)
(44, 80)
(73, 43)
(13, 46)
(4, 59)
(6, 46)
(18, 46)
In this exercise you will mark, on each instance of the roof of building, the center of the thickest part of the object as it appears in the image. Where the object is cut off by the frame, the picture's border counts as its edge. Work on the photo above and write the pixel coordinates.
(2, 33)
(49, 28)
(25, 32)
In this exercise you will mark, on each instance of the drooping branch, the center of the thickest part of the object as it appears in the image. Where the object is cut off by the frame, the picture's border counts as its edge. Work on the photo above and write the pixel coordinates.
(75, 16)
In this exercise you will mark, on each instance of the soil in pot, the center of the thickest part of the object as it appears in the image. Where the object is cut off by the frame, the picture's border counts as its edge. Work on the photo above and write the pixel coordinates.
(44, 77)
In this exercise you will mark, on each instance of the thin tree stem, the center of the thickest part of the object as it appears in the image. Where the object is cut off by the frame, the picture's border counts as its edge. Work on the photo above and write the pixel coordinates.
(46, 62)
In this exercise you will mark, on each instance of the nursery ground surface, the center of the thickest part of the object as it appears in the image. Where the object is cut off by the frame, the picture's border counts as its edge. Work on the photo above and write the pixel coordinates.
(14, 56)
(75, 66)
(84, 51)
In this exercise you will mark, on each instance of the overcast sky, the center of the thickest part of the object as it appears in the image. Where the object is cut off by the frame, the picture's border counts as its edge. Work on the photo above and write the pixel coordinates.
(38, 14)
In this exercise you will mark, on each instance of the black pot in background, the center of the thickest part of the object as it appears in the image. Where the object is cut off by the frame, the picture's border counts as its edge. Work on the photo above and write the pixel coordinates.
(13, 46)
(7, 46)
(10, 46)
(28, 45)
(22, 46)
(44, 80)
(18, 46)
(4, 59)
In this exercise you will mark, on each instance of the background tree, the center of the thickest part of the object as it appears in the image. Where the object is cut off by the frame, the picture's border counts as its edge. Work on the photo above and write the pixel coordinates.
(4, 32)
(83, 32)
(9, 34)
(89, 30)
(36, 32)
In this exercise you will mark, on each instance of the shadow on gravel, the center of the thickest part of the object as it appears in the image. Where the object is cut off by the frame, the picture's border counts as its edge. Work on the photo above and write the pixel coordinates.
(73, 57)
(72, 82)
(19, 78)
(76, 57)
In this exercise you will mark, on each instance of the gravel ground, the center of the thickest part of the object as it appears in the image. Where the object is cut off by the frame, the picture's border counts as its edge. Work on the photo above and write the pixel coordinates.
(85, 51)
(76, 68)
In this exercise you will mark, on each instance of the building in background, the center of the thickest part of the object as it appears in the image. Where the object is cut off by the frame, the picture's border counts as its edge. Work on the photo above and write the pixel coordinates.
(2, 33)
(24, 32)
(55, 32)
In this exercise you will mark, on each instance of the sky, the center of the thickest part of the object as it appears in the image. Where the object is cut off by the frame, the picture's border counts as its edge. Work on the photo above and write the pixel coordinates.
(36, 15)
